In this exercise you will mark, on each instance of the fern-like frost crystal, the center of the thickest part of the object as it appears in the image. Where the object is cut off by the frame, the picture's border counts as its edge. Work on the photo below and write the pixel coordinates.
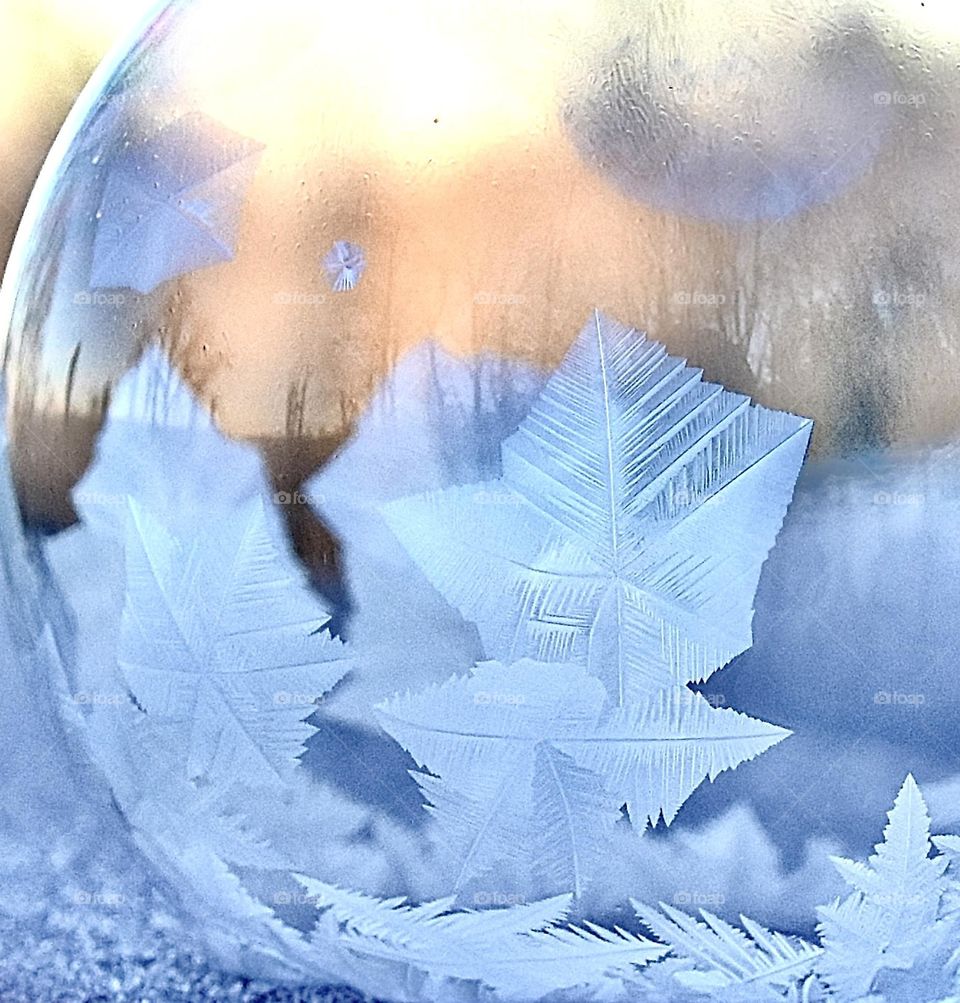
(534, 758)
(627, 532)
(613, 561)
(218, 647)
(892, 915)
(524, 952)
(727, 957)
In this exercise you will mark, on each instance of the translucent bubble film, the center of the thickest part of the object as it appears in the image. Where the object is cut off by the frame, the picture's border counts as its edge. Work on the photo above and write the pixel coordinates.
(480, 510)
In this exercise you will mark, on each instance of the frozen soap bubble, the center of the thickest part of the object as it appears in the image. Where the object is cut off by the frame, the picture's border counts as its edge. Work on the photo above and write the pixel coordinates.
(402, 404)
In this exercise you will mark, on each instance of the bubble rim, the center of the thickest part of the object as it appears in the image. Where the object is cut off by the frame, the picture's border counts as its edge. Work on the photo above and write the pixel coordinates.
(76, 118)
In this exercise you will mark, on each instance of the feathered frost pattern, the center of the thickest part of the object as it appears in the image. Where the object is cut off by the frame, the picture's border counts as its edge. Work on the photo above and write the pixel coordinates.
(893, 938)
(891, 920)
(220, 659)
(727, 956)
(525, 952)
(219, 646)
(215, 620)
(627, 531)
(512, 746)
(614, 560)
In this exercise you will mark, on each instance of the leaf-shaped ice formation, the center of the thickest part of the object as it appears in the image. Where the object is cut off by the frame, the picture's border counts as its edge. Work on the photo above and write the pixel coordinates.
(724, 955)
(512, 741)
(892, 913)
(218, 645)
(522, 951)
(636, 507)
(552, 822)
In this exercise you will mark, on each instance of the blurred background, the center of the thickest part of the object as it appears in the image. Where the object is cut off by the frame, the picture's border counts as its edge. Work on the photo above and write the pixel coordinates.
(50, 49)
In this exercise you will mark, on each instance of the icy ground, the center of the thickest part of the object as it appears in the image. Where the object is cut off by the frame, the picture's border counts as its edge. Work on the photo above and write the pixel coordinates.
(82, 921)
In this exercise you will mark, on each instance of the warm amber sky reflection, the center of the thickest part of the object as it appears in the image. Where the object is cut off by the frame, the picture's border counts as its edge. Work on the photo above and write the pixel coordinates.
(431, 135)
(50, 47)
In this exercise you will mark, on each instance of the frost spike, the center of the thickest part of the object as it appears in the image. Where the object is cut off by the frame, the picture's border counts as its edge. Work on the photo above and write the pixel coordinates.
(520, 951)
(652, 756)
(725, 955)
(888, 919)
